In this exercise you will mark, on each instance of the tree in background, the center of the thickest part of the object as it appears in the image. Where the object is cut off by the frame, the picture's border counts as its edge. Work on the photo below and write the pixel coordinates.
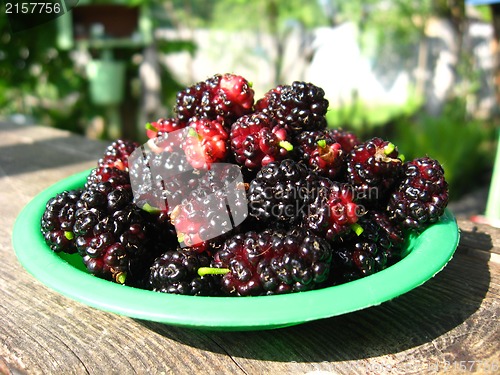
(276, 18)
(39, 80)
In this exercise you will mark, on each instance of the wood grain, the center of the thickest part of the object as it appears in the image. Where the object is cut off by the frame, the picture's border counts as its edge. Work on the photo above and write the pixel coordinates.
(451, 318)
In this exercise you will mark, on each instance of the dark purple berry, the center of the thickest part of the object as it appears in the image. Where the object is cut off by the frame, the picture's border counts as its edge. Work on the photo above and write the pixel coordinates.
(297, 107)
(373, 168)
(273, 262)
(176, 272)
(58, 220)
(256, 141)
(422, 195)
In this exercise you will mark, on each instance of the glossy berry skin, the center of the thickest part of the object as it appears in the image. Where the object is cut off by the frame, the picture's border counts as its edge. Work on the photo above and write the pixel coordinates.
(273, 262)
(222, 97)
(205, 143)
(281, 191)
(117, 246)
(117, 153)
(233, 98)
(164, 126)
(106, 195)
(113, 166)
(373, 168)
(333, 211)
(58, 220)
(161, 179)
(348, 140)
(297, 107)
(356, 259)
(321, 152)
(422, 195)
(392, 232)
(262, 105)
(376, 248)
(114, 176)
(256, 141)
(197, 219)
(176, 272)
(189, 102)
(202, 220)
(116, 239)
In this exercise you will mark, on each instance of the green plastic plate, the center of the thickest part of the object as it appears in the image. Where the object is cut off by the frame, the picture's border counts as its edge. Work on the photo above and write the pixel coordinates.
(428, 253)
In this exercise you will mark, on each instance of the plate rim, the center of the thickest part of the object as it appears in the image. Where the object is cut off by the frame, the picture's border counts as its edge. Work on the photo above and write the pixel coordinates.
(225, 313)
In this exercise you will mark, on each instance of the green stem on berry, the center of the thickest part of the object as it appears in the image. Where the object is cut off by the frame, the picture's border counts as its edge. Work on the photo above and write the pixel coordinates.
(322, 143)
(192, 133)
(150, 126)
(120, 277)
(401, 157)
(202, 271)
(358, 229)
(152, 210)
(286, 145)
(389, 148)
(69, 235)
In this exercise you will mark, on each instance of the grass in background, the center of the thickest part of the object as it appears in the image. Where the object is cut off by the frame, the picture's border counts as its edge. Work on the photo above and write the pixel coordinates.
(465, 147)
(368, 120)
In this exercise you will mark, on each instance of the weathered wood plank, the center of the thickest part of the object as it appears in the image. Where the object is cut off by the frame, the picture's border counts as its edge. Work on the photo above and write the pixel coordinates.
(479, 239)
(450, 318)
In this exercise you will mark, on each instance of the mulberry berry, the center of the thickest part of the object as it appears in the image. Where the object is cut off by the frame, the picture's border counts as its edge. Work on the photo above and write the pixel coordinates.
(117, 245)
(116, 154)
(176, 272)
(273, 262)
(161, 179)
(205, 143)
(116, 239)
(222, 97)
(58, 220)
(189, 102)
(256, 142)
(321, 152)
(281, 191)
(373, 168)
(334, 211)
(204, 217)
(422, 195)
(376, 248)
(348, 140)
(233, 98)
(297, 107)
(262, 105)
(164, 126)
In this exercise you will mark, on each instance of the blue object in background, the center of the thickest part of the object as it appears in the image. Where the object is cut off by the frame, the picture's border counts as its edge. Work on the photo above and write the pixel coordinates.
(481, 2)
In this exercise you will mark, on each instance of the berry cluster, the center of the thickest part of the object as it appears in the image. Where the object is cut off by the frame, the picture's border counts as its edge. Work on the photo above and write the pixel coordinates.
(240, 196)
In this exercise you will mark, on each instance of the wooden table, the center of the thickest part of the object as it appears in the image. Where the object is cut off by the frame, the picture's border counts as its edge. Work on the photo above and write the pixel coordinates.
(449, 324)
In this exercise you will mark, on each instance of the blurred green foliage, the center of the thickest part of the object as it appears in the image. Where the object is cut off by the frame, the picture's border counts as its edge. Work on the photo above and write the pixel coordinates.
(232, 15)
(367, 120)
(464, 146)
(38, 80)
(43, 82)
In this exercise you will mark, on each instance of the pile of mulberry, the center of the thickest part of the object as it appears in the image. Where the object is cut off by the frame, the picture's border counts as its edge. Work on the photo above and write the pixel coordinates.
(234, 195)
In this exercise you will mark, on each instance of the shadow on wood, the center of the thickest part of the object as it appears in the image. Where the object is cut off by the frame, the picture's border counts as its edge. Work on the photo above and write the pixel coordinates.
(57, 152)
